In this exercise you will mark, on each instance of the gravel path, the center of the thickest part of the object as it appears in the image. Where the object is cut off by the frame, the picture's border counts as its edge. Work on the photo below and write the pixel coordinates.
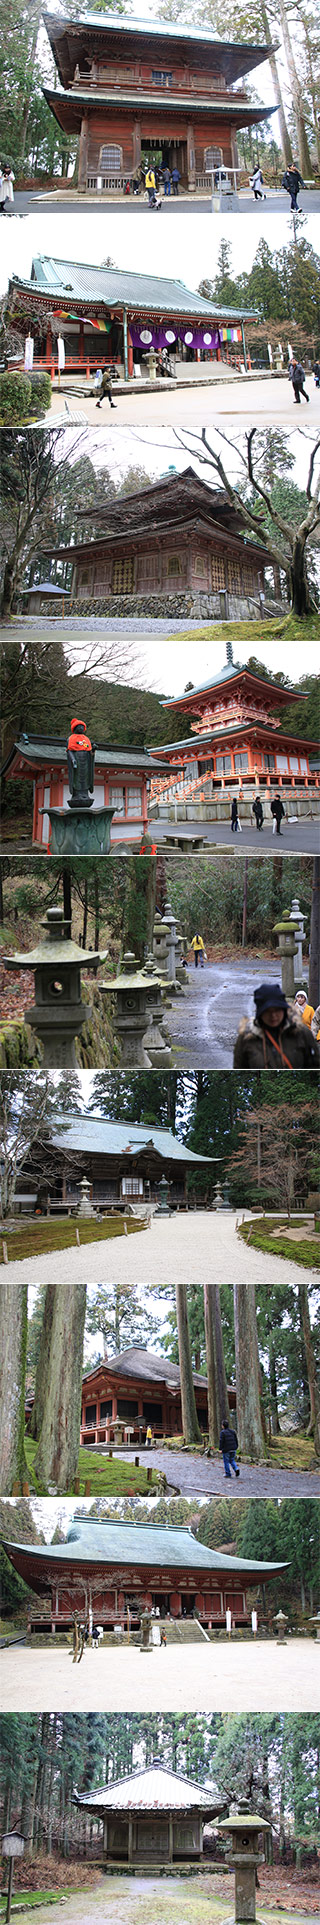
(117, 1900)
(204, 1023)
(197, 1248)
(204, 1476)
(209, 1677)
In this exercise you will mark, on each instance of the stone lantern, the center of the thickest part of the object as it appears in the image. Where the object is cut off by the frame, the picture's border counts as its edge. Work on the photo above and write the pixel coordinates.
(12, 1847)
(57, 1014)
(280, 1622)
(316, 1622)
(296, 917)
(173, 946)
(81, 828)
(146, 1643)
(163, 1207)
(85, 1207)
(129, 990)
(154, 1041)
(160, 945)
(288, 948)
(244, 1856)
(218, 1200)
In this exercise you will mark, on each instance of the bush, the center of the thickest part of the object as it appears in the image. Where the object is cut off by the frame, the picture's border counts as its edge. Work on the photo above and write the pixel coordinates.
(41, 393)
(15, 397)
(23, 398)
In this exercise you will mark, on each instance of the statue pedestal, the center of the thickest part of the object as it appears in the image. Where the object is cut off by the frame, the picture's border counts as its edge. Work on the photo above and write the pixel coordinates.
(79, 831)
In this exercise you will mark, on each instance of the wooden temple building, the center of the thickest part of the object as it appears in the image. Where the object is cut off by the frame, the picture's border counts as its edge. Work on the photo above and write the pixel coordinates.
(134, 90)
(153, 1816)
(236, 735)
(123, 1162)
(113, 1568)
(110, 315)
(133, 1389)
(175, 537)
(122, 781)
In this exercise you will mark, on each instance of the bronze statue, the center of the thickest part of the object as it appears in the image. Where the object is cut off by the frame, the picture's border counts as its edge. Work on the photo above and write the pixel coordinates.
(80, 759)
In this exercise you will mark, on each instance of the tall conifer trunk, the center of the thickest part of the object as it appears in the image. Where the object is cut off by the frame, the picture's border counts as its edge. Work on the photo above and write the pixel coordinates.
(58, 1451)
(190, 1426)
(42, 1371)
(13, 1345)
(314, 1420)
(218, 1406)
(249, 1421)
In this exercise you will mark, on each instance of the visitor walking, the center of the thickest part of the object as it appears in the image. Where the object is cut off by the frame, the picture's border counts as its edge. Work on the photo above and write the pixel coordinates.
(228, 1443)
(175, 177)
(257, 185)
(291, 181)
(257, 811)
(166, 176)
(6, 188)
(316, 372)
(234, 815)
(276, 1037)
(198, 945)
(105, 389)
(151, 187)
(297, 376)
(277, 811)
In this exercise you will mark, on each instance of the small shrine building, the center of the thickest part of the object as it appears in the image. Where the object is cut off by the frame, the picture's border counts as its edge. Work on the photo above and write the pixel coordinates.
(122, 781)
(152, 1816)
(136, 1388)
(114, 1568)
(134, 90)
(116, 316)
(176, 537)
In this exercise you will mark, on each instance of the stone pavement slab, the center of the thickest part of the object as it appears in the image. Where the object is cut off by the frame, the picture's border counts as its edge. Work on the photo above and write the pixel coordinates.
(257, 1676)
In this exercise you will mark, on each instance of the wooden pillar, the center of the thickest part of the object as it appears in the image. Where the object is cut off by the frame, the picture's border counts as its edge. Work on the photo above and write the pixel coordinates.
(191, 159)
(114, 1406)
(130, 1841)
(130, 356)
(125, 343)
(83, 154)
(137, 145)
(105, 1837)
(81, 341)
(48, 346)
(170, 1840)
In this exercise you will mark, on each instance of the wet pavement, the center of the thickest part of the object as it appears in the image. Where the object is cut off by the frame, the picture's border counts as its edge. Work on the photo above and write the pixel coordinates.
(203, 1024)
(195, 1476)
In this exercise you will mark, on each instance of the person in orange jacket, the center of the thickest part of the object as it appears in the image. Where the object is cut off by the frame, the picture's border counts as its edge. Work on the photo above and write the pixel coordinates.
(306, 1009)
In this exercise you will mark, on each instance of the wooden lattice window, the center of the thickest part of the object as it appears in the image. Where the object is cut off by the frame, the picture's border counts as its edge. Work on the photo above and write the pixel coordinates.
(218, 573)
(249, 582)
(234, 577)
(111, 159)
(174, 565)
(212, 158)
(123, 576)
(200, 566)
(134, 801)
(148, 567)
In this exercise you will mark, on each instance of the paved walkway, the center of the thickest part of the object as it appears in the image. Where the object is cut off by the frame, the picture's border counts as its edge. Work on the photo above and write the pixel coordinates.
(204, 1023)
(239, 403)
(210, 1677)
(277, 202)
(200, 1247)
(196, 1476)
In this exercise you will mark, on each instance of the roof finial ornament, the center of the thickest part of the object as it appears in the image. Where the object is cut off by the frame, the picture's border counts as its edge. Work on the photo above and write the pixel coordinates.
(229, 654)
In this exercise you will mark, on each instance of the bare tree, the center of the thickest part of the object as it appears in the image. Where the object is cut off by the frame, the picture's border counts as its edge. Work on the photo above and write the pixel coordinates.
(275, 1155)
(287, 542)
(23, 1111)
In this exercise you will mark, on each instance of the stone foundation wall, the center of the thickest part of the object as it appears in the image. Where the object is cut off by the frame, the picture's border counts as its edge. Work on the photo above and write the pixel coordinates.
(194, 603)
(219, 808)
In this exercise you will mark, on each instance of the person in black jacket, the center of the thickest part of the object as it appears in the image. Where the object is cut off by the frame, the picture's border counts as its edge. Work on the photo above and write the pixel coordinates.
(228, 1443)
(292, 180)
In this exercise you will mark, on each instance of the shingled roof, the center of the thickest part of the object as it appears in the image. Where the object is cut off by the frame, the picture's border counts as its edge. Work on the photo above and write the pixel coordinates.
(138, 1361)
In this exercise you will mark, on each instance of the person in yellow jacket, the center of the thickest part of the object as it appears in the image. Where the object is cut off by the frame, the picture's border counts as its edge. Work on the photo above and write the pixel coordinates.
(151, 186)
(199, 949)
(306, 1009)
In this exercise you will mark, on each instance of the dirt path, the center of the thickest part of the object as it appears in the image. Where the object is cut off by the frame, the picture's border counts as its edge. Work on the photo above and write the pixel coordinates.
(151, 1901)
(203, 1476)
(193, 1677)
(204, 1023)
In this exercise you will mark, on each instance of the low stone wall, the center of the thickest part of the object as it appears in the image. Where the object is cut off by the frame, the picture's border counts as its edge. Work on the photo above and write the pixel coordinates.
(19, 1047)
(188, 603)
(219, 808)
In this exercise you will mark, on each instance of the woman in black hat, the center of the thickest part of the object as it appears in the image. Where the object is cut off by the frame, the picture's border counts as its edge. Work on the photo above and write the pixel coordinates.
(276, 1037)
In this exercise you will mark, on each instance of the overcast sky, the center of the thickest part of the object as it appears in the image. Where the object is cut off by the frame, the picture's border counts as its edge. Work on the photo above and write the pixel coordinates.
(184, 249)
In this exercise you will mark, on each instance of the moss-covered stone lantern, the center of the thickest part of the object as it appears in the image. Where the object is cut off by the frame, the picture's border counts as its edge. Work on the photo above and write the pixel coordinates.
(286, 931)
(244, 1856)
(129, 990)
(57, 1013)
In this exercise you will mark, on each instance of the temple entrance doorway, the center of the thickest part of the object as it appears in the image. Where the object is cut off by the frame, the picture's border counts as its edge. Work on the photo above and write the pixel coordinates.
(166, 153)
(188, 1604)
(161, 1603)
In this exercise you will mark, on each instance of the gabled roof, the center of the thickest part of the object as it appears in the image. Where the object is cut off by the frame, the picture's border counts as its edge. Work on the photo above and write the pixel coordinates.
(103, 1138)
(118, 288)
(138, 1361)
(108, 1542)
(154, 1789)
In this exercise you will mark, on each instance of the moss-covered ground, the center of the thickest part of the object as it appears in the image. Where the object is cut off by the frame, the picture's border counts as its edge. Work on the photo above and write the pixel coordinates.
(259, 1233)
(280, 627)
(37, 1236)
(100, 1476)
(28, 1901)
(186, 1900)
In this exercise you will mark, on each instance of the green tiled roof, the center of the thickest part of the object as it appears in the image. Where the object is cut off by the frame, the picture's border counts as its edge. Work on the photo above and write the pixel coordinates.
(103, 1138)
(115, 287)
(89, 1541)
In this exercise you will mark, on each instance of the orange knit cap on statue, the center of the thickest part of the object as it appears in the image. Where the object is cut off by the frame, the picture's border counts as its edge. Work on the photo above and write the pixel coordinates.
(76, 740)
